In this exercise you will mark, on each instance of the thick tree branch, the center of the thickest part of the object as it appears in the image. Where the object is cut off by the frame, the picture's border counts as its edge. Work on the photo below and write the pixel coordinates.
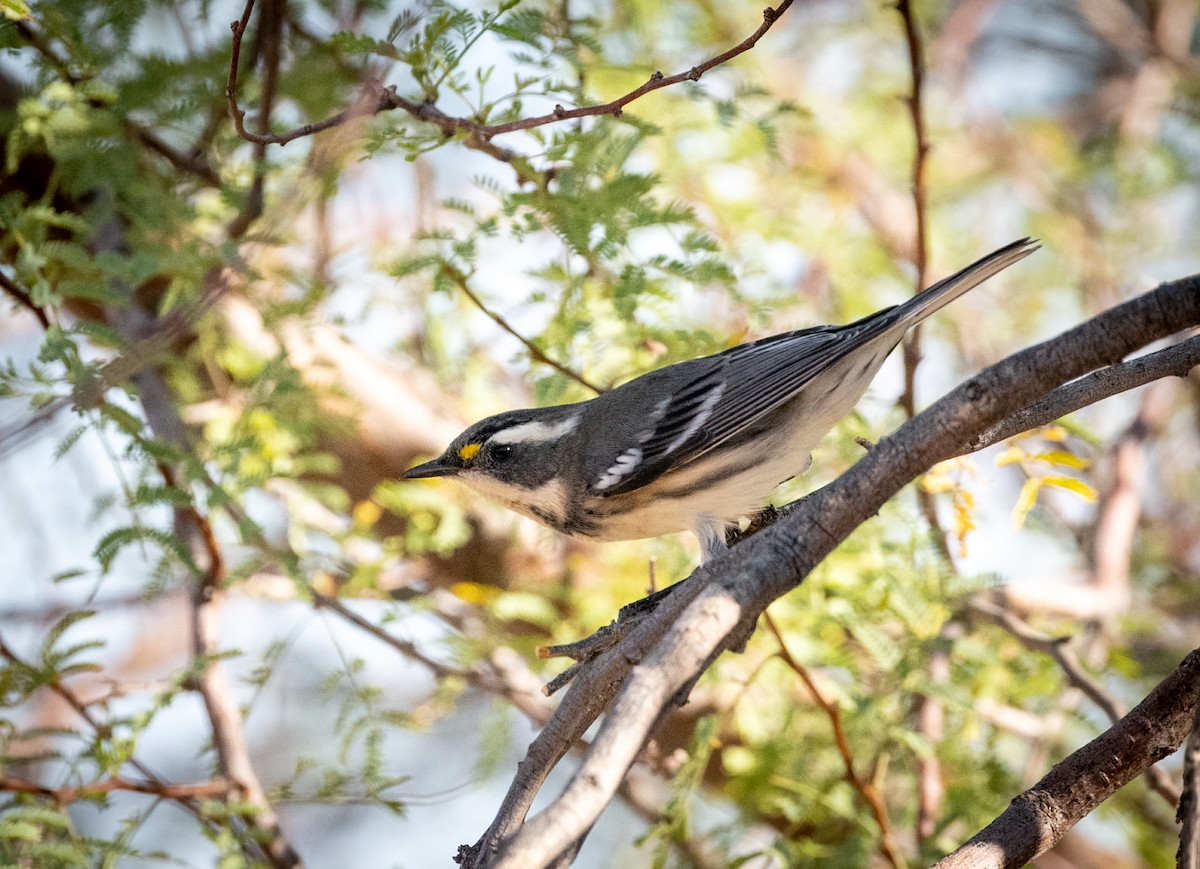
(1039, 817)
(665, 653)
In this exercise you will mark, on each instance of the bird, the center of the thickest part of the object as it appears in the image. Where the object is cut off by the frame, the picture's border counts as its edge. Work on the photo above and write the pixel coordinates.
(697, 445)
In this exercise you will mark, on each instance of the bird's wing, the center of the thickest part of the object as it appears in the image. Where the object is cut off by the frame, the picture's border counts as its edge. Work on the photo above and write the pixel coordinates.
(740, 387)
(737, 388)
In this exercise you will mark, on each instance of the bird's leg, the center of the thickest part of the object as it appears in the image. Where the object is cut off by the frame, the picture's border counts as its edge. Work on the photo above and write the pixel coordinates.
(712, 537)
(711, 534)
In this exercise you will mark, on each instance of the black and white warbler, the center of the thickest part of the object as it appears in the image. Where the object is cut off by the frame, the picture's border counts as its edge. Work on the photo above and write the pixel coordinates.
(696, 445)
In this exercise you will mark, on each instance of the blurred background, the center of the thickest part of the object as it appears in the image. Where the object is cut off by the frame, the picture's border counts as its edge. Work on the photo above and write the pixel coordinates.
(219, 355)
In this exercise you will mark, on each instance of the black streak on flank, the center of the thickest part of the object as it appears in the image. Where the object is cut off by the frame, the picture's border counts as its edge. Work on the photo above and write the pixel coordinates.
(730, 470)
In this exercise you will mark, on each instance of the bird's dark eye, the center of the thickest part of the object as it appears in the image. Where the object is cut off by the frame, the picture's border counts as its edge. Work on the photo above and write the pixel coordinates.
(502, 452)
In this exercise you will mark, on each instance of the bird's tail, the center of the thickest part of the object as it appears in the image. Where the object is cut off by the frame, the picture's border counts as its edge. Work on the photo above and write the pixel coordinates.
(948, 289)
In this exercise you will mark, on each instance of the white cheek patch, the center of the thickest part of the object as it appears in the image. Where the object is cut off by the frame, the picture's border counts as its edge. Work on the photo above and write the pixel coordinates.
(620, 469)
(535, 432)
(550, 498)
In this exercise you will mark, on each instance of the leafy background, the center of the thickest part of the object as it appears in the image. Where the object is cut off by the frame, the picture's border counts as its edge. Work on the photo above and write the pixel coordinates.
(336, 308)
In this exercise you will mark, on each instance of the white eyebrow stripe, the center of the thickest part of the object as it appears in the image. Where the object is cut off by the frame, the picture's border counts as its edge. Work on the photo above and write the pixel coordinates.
(535, 432)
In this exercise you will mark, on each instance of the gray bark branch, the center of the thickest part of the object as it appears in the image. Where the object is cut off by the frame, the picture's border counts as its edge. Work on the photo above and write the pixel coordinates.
(660, 659)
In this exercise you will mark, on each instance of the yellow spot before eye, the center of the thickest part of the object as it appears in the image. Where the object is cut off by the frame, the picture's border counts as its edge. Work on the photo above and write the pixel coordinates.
(468, 452)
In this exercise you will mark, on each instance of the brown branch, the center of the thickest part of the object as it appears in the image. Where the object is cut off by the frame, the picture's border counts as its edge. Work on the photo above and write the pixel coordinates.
(461, 282)
(1038, 818)
(1059, 649)
(929, 716)
(270, 35)
(383, 102)
(212, 683)
(1120, 507)
(193, 163)
(81, 709)
(916, 62)
(927, 709)
(63, 795)
(866, 789)
(135, 326)
(498, 675)
(655, 82)
(24, 300)
(84, 712)
(478, 135)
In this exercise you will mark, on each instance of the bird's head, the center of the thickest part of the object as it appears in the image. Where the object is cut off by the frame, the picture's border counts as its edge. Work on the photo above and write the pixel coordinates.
(517, 458)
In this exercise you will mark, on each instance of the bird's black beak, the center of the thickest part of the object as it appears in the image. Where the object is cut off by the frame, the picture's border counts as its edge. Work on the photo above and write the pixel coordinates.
(439, 467)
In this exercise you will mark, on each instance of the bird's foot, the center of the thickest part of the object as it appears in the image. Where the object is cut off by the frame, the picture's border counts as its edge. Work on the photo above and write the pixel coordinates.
(586, 650)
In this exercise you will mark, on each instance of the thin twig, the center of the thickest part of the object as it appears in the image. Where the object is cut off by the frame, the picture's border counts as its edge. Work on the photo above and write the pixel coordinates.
(24, 300)
(100, 727)
(927, 710)
(270, 34)
(916, 62)
(498, 676)
(63, 795)
(479, 135)
(212, 683)
(1174, 361)
(1059, 649)
(1036, 820)
(81, 709)
(865, 788)
(463, 284)
(193, 163)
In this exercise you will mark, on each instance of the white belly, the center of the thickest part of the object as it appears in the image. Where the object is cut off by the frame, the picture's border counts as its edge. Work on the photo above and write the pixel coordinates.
(701, 491)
